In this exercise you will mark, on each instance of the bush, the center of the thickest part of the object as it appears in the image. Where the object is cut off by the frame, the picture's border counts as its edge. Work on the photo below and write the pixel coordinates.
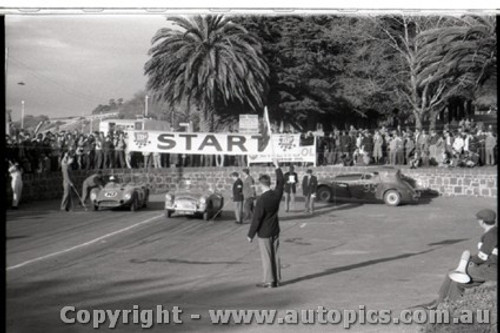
(483, 297)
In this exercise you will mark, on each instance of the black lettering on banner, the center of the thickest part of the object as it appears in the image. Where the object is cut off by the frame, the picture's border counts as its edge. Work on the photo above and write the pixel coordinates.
(210, 140)
(233, 140)
(167, 142)
(188, 139)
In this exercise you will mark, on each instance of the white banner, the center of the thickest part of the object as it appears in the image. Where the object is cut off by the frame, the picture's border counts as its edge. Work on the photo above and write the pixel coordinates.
(287, 148)
(195, 143)
(258, 148)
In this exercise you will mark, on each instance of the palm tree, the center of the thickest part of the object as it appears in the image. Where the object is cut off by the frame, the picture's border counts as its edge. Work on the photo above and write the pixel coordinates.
(207, 61)
(462, 55)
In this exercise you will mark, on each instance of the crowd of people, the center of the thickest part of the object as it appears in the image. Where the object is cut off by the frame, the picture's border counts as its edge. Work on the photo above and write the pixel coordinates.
(467, 145)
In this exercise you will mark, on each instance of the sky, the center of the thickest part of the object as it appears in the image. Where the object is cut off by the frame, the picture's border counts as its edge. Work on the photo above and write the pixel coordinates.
(70, 64)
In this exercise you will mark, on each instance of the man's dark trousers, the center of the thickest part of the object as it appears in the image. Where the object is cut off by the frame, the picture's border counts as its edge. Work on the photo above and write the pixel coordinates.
(270, 258)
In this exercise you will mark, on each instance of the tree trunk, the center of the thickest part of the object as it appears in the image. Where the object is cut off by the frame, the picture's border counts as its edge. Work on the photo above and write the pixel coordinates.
(418, 119)
(433, 119)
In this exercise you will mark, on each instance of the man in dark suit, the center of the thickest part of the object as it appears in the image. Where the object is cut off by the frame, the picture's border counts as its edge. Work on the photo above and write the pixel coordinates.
(238, 197)
(309, 187)
(248, 196)
(265, 224)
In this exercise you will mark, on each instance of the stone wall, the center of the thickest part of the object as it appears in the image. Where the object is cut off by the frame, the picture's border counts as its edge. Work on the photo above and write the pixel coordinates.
(479, 182)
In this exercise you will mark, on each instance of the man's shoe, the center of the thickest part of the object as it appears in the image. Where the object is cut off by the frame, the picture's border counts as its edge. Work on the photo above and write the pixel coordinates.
(267, 285)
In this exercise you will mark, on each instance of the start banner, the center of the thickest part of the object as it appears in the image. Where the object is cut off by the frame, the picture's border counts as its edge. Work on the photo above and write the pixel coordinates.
(259, 148)
(196, 143)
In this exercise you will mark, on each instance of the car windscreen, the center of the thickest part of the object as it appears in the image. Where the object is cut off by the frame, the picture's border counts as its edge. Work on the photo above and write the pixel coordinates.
(112, 186)
(197, 186)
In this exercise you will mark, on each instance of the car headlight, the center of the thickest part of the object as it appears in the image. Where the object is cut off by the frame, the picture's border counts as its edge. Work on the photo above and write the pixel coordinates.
(93, 196)
(203, 201)
(127, 196)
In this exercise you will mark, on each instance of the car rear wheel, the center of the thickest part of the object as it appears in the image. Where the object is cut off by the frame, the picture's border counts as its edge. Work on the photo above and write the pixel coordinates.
(133, 205)
(168, 213)
(324, 194)
(392, 198)
(96, 207)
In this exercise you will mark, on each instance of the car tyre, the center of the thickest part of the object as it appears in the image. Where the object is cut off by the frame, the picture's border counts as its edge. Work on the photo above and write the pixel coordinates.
(96, 207)
(392, 198)
(133, 205)
(324, 194)
(168, 213)
(205, 216)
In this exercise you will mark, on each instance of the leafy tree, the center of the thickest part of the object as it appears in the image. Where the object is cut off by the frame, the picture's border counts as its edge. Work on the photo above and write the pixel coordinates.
(208, 62)
(433, 59)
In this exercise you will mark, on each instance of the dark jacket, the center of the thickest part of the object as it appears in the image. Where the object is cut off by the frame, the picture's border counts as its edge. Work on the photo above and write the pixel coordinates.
(265, 221)
(238, 190)
(248, 189)
(309, 187)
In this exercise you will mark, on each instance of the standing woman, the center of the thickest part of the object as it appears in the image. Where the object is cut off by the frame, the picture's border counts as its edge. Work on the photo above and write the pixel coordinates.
(16, 183)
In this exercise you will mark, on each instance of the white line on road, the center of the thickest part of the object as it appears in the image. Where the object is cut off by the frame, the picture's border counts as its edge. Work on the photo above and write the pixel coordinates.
(83, 244)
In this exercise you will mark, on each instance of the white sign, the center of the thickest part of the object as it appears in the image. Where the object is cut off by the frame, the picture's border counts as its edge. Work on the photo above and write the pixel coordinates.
(287, 148)
(249, 124)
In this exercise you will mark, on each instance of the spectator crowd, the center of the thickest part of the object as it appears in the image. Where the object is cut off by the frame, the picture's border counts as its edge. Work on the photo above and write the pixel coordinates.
(466, 145)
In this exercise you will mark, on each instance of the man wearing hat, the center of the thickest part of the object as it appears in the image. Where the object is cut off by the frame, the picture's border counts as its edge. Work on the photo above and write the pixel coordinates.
(482, 267)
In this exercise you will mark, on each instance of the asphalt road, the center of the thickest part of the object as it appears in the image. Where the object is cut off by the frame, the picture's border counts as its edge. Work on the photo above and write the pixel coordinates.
(346, 256)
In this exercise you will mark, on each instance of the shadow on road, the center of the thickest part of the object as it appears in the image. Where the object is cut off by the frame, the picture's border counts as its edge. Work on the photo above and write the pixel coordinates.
(449, 241)
(354, 266)
(319, 211)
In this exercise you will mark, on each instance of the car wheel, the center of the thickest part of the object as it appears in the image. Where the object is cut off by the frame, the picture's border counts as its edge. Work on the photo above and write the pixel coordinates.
(324, 194)
(168, 213)
(133, 205)
(96, 207)
(392, 198)
(205, 216)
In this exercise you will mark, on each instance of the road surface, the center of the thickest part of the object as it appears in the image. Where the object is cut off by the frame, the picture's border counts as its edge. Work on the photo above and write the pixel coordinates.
(346, 256)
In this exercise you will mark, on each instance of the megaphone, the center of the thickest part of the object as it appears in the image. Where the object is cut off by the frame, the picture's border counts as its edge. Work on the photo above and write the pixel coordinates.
(460, 274)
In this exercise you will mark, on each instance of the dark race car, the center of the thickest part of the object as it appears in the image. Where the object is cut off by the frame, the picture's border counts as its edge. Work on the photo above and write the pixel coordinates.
(197, 200)
(387, 185)
(115, 195)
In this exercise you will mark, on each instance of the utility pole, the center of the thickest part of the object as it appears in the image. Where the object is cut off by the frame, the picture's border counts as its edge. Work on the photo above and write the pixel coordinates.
(146, 106)
(22, 114)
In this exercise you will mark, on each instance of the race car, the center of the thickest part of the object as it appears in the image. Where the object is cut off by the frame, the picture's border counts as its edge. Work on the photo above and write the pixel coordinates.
(115, 195)
(387, 185)
(195, 200)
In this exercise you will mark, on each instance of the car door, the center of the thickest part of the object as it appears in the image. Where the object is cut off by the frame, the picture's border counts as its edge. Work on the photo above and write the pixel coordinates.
(342, 186)
(357, 188)
(369, 183)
